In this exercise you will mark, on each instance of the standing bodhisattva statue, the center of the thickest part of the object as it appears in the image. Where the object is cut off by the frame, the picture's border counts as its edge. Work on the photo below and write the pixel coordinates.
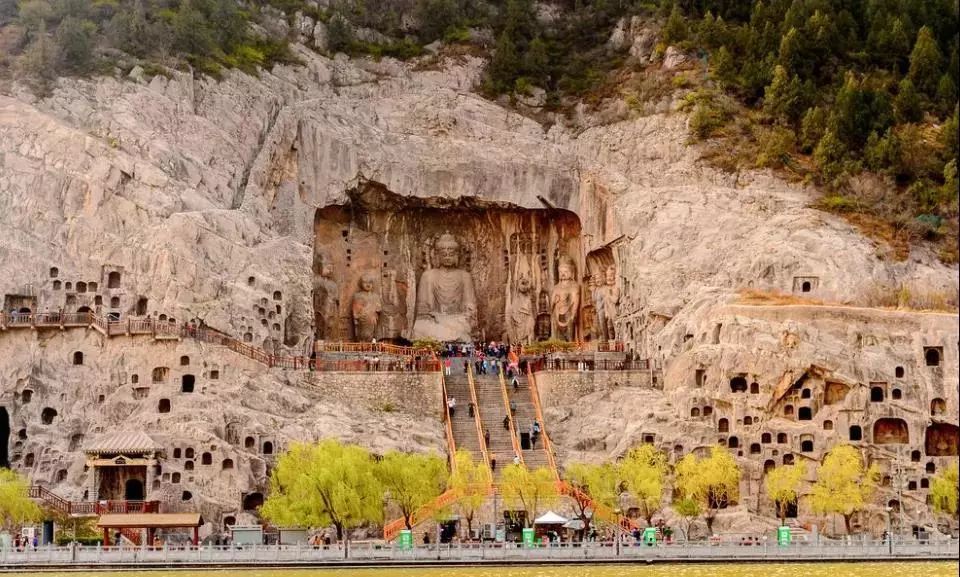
(565, 300)
(446, 300)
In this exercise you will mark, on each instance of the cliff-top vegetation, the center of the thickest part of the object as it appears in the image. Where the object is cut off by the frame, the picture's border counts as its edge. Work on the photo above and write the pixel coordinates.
(857, 96)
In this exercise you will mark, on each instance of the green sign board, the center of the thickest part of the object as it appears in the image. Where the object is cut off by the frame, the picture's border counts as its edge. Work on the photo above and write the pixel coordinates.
(405, 540)
(650, 536)
(528, 537)
(783, 536)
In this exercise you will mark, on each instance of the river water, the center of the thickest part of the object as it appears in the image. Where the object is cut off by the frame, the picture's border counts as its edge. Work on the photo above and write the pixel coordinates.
(912, 569)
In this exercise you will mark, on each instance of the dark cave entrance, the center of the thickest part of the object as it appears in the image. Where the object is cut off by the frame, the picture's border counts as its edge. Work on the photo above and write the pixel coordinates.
(4, 438)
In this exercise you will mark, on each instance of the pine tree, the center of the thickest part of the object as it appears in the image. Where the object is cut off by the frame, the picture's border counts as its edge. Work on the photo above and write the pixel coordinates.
(906, 105)
(812, 127)
(675, 30)
(946, 94)
(925, 62)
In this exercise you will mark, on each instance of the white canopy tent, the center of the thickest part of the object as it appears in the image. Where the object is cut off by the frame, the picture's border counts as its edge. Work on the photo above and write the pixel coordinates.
(550, 518)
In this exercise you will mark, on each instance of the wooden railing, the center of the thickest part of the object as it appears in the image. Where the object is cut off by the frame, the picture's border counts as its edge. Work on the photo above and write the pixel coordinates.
(90, 508)
(543, 364)
(478, 421)
(547, 445)
(575, 347)
(506, 403)
(415, 360)
(393, 528)
(385, 348)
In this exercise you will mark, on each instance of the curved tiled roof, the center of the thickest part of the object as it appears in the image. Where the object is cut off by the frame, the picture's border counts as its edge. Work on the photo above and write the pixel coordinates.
(124, 442)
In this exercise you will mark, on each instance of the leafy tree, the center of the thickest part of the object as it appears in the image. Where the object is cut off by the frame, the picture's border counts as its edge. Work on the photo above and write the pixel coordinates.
(39, 61)
(16, 507)
(946, 93)
(75, 40)
(643, 472)
(324, 484)
(192, 32)
(783, 487)
(925, 62)
(844, 486)
(949, 132)
(505, 65)
(906, 105)
(945, 488)
(687, 509)
(784, 98)
(412, 480)
(339, 34)
(596, 484)
(724, 70)
(713, 482)
(829, 154)
(437, 17)
(536, 61)
(675, 30)
(471, 481)
(33, 13)
(528, 490)
(812, 127)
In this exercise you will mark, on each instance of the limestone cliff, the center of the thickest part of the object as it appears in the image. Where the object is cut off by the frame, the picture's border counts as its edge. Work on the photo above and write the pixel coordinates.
(200, 196)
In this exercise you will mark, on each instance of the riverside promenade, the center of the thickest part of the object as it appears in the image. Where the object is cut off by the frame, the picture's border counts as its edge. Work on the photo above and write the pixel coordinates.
(374, 555)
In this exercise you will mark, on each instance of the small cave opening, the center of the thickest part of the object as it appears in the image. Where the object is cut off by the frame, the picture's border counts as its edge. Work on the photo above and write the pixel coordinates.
(856, 433)
(249, 443)
(47, 415)
(226, 464)
(891, 431)
(876, 394)
(781, 438)
(938, 407)
(695, 412)
(738, 384)
(113, 280)
(187, 383)
(78, 358)
(723, 425)
(932, 356)
(252, 501)
(942, 440)
(766, 438)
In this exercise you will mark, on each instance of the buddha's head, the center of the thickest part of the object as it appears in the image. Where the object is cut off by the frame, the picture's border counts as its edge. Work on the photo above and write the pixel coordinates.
(367, 281)
(448, 250)
(611, 275)
(524, 285)
(566, 269)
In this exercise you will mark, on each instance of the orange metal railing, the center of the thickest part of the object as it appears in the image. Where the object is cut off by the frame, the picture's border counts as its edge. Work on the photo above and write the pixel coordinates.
(506, 403)
(477, 418)
(547, 445)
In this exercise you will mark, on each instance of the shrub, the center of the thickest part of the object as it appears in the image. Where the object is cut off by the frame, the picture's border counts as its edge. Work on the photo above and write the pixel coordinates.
(775, 146)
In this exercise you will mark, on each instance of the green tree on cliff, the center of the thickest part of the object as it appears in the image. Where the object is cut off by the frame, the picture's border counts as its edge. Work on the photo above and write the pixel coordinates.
(411, 480)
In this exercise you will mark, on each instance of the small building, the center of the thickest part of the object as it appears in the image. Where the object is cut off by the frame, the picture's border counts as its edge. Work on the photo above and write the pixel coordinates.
(122, 466)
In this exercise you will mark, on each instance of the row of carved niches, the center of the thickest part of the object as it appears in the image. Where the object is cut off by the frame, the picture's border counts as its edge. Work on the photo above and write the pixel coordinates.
(390, 267)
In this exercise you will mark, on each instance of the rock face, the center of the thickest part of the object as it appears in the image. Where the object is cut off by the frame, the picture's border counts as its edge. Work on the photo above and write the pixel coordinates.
(197, 199)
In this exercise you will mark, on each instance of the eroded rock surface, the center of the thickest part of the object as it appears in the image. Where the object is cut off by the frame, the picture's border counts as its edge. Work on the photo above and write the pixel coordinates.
(202, 197)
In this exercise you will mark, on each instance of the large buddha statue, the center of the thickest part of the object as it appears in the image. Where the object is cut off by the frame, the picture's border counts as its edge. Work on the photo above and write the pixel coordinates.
(446, 300)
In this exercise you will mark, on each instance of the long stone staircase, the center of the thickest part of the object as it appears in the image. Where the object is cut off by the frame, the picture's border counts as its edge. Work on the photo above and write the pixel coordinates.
(534, 455)
(492, 411)
(465, 433)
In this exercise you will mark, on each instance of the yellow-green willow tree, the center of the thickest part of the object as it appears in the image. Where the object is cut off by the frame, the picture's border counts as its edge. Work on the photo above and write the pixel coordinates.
(412, 480)
(844, 486)
(16, 506)
(471, 481)
(529, 490)
(783, 487)
(323, 484)
(712, 482)
(643, 472)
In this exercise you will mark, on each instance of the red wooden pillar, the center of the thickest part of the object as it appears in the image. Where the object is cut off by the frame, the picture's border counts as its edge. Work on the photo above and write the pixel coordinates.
(106, 537)
(196, 536)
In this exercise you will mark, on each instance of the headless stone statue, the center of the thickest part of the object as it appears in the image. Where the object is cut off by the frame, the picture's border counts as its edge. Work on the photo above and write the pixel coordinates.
(326, 300)
(365, 309)
(446, 300)
(565, 301)
(522, 317)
